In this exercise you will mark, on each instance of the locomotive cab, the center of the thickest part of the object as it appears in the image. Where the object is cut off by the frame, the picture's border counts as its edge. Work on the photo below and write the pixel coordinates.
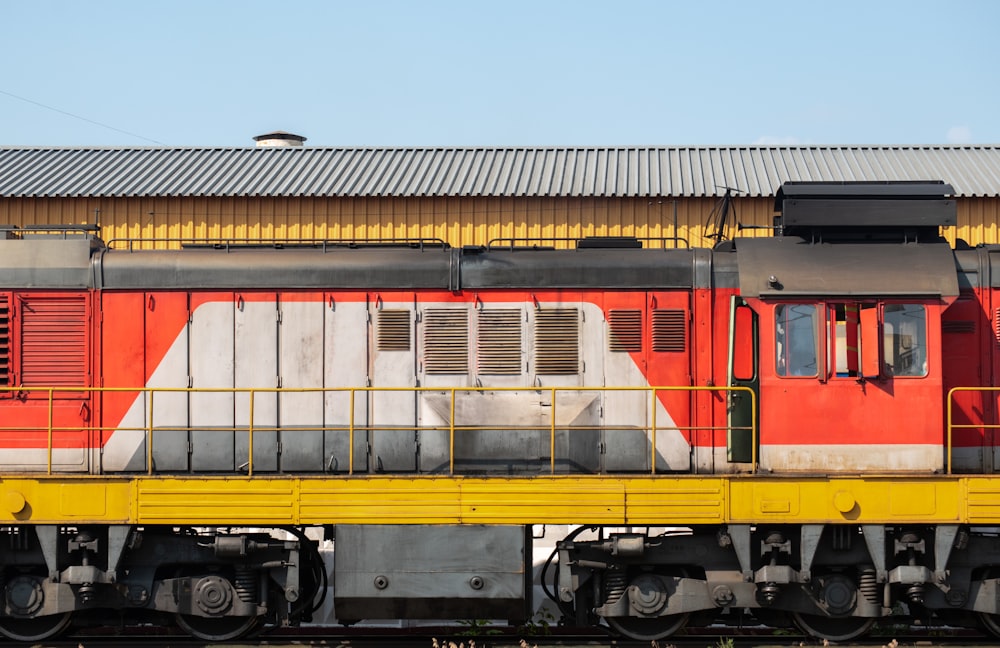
(849, 299)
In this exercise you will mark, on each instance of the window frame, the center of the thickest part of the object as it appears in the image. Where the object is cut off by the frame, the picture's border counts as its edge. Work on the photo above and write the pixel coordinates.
(827, 341)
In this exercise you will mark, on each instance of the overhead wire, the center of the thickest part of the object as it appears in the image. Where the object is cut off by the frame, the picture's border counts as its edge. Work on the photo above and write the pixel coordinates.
(74, 116)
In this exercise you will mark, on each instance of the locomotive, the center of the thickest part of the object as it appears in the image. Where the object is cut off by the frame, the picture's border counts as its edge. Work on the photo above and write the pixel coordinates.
(796, 428)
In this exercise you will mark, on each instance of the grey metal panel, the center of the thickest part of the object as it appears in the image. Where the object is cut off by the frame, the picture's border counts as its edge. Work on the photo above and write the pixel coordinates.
(889, 204)
(46, 263)
(431, 572)
(501, 171)
(345, 365)
(973, 267)
(843, 212)
(169, 413)
(857, 270)
(277, 268)
(610, 268)
(256, 366)
(394, 413)
(994, 257)
(373, 268)
(300, 352)
(212, 366)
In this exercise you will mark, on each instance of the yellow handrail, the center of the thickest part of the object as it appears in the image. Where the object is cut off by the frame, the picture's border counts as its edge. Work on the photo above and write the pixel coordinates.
(952, 426)
(453, 428)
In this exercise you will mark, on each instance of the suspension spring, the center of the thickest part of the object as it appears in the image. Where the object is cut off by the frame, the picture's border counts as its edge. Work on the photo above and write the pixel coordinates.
(868, 585)
(245, 582)
(615, 586)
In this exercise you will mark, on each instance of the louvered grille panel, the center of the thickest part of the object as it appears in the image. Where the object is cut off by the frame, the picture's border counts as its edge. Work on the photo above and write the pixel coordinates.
(499, 345)
(446, 341)
(625, 328)
(958, 326)
(54, 341)
(996, 325)
(4, 341)
(669, 330)
(557, 341)
(393, 330)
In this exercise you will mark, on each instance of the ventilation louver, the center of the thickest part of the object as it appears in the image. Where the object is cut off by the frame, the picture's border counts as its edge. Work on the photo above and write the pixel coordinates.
(557, 341)
(499, 346)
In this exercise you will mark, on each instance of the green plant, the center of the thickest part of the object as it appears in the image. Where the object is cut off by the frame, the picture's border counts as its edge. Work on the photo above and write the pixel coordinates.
(477, 628)
(540, 624)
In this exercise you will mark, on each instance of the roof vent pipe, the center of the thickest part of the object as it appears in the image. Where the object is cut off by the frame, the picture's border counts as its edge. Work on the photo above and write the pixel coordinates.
(279, 138)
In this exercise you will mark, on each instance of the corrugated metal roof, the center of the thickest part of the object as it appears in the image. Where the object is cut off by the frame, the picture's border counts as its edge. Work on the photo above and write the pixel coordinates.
(45, 172)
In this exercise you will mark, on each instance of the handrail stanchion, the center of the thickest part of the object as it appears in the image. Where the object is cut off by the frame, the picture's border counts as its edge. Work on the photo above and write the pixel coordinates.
(149, 435)
(451, 435)
(652, 451)
(250, 439)
(49, 469)
(754, 432)
(552, 436)
(949, 421)
(350, 433)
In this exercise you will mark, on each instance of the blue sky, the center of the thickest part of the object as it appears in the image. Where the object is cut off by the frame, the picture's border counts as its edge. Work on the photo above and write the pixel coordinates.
(507, 73)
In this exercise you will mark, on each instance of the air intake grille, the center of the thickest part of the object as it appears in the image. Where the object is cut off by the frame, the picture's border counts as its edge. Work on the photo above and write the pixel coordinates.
(446, 341)
(54, 341)
(4, 341)
(499, 349)
(557, 341)
(669, 330)
(958, 326)
(625, 328)
(393, 330)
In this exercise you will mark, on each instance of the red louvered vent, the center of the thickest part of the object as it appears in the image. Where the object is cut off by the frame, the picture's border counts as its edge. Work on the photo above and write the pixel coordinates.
(499, 344)
(446, 341)
(669, 330)
(996, 325)
(958, 326)
(625, 330)
(4, 341)
(54, 341)
(393, 330)
(557, 341)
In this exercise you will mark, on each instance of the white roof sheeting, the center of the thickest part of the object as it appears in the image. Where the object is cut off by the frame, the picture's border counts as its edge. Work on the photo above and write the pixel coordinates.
(619, 172)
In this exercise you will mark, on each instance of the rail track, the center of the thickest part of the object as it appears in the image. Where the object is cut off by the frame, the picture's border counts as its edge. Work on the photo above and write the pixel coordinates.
(452, 637)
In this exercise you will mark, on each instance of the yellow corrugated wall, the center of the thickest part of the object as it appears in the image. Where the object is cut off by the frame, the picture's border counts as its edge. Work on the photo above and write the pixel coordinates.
(165, 222)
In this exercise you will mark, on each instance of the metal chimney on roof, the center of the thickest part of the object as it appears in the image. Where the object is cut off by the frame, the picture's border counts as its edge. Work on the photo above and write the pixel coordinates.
(279, 138)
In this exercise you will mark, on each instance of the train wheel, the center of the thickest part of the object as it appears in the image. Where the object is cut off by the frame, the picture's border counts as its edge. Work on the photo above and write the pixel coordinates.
(991, 623)
(34, 628)
(644, 629)
(216, 628)
(833, 628)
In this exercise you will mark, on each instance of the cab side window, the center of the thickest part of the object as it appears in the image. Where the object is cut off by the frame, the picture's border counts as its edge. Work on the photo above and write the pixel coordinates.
(795, 335)
(905, 339)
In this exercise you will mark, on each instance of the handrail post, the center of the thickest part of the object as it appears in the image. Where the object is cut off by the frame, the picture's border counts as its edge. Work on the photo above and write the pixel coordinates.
(652, 450)
(451, 435)
(250, 439)
(552, 435)
(50, 413)
(949, 422)
(350, 433)
(149, 435)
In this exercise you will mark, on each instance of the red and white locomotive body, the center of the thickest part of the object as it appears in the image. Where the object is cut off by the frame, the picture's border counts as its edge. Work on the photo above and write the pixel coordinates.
(828, 352)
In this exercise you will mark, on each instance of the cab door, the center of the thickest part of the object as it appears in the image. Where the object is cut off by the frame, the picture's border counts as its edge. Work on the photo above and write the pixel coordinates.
(742, 372)
(850, 385)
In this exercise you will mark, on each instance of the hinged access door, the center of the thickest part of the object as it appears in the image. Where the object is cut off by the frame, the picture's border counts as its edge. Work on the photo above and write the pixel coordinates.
(743, 365)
